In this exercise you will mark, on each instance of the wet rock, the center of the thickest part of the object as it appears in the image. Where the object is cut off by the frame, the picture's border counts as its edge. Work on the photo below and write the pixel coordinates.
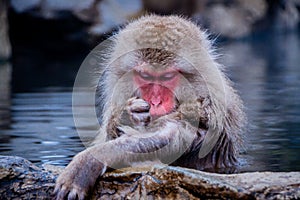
(21, 179)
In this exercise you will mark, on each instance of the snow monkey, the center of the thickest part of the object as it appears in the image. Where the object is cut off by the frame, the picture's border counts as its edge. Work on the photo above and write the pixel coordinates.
(164, 99)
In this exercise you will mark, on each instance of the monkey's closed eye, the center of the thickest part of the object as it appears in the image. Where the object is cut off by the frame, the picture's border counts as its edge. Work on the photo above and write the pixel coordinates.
(168, 76)
(145, 75)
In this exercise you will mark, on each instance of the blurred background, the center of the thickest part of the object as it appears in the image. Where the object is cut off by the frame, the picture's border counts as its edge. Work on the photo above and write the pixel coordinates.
(44, 42)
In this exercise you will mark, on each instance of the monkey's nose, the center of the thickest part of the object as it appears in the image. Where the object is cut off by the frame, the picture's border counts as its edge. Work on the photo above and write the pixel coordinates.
(156, 100)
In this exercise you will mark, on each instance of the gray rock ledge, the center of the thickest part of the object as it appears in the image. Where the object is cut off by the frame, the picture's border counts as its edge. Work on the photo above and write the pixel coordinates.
(20, 179)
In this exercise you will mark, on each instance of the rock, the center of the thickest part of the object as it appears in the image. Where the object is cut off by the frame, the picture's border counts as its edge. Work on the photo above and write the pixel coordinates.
(168, 7)
(23, 6)
(235, 20)
(227, 18)
(286, 15)
(102, 15)
(21, 179)
(113, 14)
(51, 5)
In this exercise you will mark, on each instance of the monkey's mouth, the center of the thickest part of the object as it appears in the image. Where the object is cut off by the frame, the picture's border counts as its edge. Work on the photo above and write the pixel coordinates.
(158, 110)
(161, 99)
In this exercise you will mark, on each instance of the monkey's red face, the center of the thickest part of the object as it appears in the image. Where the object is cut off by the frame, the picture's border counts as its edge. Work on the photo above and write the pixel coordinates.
(157, 88)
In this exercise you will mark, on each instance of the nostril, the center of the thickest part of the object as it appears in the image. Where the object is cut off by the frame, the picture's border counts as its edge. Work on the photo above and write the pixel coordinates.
(156, 101)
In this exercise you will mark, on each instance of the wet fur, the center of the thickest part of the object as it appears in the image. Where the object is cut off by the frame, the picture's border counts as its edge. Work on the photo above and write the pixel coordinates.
(206, 101)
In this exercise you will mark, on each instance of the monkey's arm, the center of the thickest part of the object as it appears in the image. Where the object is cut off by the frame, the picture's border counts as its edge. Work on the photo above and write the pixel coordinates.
(166, 145)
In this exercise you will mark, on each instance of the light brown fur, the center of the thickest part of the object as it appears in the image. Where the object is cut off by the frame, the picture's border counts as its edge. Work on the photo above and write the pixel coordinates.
(207, 104)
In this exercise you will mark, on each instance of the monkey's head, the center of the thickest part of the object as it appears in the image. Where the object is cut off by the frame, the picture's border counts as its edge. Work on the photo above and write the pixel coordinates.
(167, 61)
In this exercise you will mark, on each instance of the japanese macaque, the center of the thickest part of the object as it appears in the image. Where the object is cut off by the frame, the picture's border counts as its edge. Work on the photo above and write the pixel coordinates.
(164, 99)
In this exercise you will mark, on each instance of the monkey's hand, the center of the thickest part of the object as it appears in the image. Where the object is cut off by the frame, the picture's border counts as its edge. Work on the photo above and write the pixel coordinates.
(78, 177)
(138, 110)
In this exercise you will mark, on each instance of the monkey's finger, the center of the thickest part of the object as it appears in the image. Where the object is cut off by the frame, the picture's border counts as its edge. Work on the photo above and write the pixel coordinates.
(75, 194)
(56, 190)
(141, 118)
(139, 105)
(61, 193)
(132, 100)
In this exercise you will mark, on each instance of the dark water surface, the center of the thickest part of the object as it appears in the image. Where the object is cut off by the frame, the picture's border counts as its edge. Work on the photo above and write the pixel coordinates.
(42, 128)
(266, 73)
